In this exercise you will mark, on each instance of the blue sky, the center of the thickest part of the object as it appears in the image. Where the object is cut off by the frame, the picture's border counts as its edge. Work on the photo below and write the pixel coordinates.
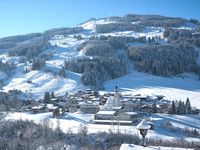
(25, 16)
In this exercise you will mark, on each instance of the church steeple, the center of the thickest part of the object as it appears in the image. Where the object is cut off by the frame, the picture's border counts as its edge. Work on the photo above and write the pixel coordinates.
(116, 88)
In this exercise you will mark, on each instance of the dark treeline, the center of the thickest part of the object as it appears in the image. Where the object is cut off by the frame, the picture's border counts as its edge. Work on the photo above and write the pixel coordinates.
(28, 135)
(117, 42)
(166, 60)
(12, 101)
(12, 41)
(20, 38)
(7, 45)
(106, 28)
(98, 48)
(106, 63)
(30, 49)
(181, 108)
(179, 36)
(33, 51)
(108, 45)
(154, 20)
(6, 68)
(97, 70)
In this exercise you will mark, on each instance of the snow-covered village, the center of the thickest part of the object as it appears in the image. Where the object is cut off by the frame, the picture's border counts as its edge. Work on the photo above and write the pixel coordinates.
(73, 77)
(93, 112)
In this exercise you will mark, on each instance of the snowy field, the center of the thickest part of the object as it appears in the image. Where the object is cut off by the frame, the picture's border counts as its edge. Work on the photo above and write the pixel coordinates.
(174, 88)
(73, 121)
(47, 79)
(137, 147)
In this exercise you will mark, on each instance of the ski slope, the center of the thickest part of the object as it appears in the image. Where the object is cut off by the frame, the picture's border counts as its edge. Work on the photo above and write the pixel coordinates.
(47, 79)
(42, 82)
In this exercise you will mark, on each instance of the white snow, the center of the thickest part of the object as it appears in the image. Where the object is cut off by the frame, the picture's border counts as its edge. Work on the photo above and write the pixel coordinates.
(106, 112)
(44, 81)
(148, 31)
(90, 25)
(188, 26)
(143, 125)
(137, 147)
(180, 121)
(73, 121)
(47, 79)
(173, 88)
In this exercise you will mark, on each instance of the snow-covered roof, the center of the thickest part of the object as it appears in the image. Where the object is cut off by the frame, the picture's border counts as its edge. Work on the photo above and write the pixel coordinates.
(143, 125)
(116, 108)
(89, 103)
(151, 98)
(38, 107)
(112, 121)
(131, 113)
(51, 106)
(106, 112)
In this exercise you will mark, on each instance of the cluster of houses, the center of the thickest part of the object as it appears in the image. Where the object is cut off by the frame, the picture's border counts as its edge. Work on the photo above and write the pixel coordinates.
(107, 108)
(110, 107)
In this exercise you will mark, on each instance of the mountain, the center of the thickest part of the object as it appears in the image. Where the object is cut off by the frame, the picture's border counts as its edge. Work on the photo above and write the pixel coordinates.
(143, 53)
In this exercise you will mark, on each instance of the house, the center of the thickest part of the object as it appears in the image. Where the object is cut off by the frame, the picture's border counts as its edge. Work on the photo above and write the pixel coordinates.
(195, 111)
(89, 107)
(38, 109)
(141, 97)
(159, 97)
(105, 115)
(151, 99)
(128, 116)
(146, 108)
(51, 107)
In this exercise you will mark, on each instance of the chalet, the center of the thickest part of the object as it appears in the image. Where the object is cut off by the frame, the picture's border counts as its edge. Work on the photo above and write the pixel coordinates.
(118, 122)
(141, 98)
(145, 108)
(195, 111)
(38, 109)
(51, 107)
(105, 115)
(128, 116)
(54, 100)
(159, 97)
(151, 99)
(89, 107)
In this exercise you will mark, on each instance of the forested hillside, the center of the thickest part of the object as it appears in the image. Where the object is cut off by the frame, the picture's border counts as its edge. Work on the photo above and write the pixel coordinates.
(112, 47)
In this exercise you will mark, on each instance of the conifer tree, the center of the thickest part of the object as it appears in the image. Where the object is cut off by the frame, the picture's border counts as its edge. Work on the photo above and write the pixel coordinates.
(188, 106)
(173, 108)
(47, 98)
(154, 108)
(52, 95)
